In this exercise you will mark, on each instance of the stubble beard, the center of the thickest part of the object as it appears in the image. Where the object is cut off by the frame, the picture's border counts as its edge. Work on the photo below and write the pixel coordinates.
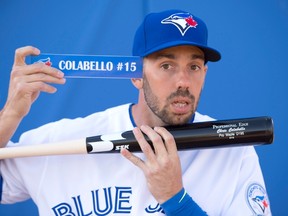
(164, 114)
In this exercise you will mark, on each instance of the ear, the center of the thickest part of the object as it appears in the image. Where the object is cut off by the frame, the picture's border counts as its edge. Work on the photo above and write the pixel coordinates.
(205, 70)
(137, 82)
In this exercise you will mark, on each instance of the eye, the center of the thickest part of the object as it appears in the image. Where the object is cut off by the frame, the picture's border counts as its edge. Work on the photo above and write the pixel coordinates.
(195, 67)
(166, 66)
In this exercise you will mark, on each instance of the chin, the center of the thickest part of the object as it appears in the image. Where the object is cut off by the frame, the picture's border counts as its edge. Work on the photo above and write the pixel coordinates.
(179, 121)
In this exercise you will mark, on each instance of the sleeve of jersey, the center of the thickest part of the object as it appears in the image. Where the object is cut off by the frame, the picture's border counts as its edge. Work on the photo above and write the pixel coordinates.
(250, 196)
(182, 204)
(1, 185)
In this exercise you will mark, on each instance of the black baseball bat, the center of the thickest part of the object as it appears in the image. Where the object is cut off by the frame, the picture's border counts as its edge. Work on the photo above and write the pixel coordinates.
(202, 135)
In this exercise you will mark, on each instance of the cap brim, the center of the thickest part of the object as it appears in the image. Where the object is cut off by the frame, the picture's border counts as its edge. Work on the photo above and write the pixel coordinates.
(210, 53)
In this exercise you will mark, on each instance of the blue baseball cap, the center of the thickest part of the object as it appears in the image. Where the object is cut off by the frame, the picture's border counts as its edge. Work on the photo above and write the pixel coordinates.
(172, 28)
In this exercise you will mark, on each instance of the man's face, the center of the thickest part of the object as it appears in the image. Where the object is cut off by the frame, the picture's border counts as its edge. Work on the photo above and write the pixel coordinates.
(172, 83)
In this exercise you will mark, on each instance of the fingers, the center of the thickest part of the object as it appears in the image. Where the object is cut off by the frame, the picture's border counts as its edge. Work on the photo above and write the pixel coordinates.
(163, 145)
(34, 77)
(21, 53)
(163, 141)
(38, 72)
(37, 76)
(146, 149)
(28, 81)
(19, 60)
(162, 166)
(145, 146)
(168, 138)
(158, 143)
(41, 69)
(134, 159)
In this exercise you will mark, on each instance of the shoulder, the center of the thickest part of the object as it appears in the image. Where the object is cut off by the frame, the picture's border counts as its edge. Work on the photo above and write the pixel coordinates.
(66, 129)
(201, 118)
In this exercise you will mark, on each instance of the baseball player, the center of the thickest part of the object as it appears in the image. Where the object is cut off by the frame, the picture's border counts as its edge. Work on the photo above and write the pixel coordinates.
(162, 181)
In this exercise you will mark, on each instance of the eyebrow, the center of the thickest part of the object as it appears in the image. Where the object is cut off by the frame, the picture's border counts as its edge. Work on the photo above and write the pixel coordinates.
(172, 56)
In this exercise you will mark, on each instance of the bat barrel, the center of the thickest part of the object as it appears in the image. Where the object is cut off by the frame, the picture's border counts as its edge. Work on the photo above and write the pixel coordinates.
(212, 134)
(226, 133)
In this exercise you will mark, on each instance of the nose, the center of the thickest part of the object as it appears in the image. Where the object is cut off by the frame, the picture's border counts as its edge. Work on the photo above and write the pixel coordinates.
(183, 79)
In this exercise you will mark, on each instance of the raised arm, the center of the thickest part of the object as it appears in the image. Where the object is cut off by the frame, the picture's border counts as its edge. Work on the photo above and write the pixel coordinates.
(26, 83)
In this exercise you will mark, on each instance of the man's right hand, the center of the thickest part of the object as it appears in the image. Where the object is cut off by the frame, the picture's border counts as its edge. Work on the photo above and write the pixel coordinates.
(26, 83)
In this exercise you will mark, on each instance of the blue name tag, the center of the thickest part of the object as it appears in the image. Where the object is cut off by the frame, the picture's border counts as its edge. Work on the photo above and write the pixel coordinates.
(93, 66)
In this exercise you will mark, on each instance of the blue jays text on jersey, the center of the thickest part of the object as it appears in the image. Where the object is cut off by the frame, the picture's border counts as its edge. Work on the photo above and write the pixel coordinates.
(107, 201)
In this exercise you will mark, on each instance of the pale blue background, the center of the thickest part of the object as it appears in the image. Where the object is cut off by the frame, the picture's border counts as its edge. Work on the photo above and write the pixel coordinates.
(251, 80)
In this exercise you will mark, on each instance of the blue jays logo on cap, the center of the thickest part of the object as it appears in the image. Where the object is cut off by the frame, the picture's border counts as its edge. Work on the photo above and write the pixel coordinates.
(183, 21)
(172, 28)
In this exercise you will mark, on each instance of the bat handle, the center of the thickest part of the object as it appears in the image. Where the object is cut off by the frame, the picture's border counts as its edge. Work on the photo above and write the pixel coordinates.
(58, 148)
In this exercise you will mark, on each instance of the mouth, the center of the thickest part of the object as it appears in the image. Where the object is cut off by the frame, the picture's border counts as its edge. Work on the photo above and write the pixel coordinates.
(181, 106)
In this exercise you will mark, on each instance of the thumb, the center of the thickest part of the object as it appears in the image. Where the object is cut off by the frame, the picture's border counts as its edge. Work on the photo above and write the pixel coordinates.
(21, 53)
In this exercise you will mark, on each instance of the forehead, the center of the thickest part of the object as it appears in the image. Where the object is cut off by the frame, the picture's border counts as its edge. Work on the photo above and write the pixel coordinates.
(178, 51)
